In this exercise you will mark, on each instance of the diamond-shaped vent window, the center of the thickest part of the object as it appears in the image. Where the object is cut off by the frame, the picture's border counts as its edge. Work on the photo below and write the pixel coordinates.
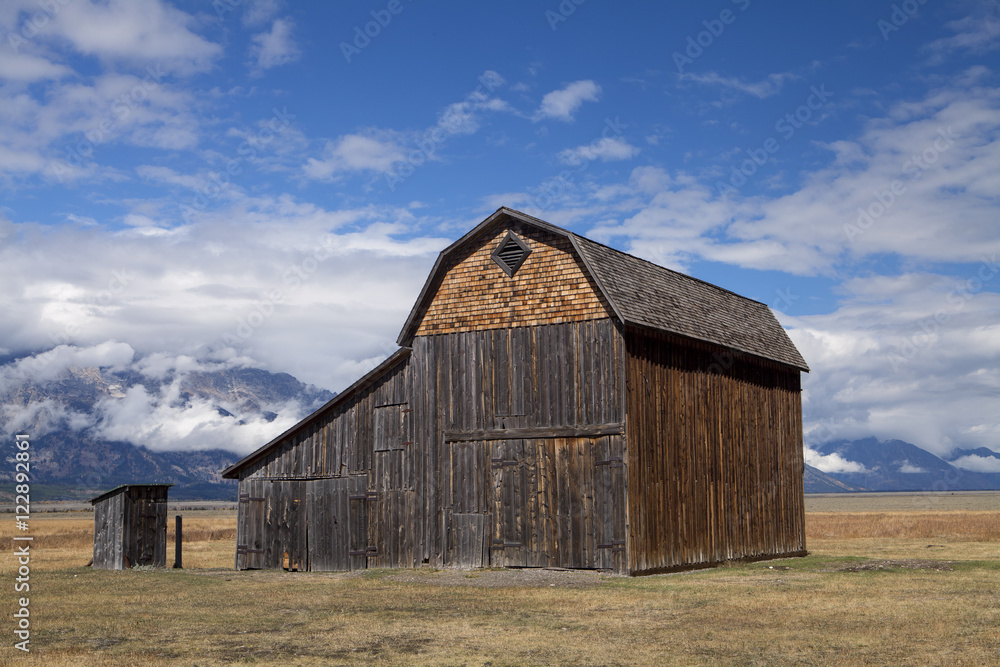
(511, 253)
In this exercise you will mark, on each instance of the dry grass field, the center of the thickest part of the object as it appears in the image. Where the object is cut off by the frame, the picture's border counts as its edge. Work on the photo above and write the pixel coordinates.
(906, 586)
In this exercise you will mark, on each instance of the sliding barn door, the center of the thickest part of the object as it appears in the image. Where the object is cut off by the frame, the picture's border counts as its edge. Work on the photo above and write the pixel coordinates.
(541, 502)
(285, 525)
(337, 523)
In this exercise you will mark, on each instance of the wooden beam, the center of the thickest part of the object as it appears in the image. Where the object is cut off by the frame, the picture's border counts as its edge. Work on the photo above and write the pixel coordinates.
(592, 431)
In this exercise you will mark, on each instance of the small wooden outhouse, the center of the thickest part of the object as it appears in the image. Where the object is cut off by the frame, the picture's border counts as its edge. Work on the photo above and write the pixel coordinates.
(130, 526)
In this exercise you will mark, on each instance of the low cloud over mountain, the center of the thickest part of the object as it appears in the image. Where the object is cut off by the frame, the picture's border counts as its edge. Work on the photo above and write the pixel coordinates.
(102, 415)
(895, 465)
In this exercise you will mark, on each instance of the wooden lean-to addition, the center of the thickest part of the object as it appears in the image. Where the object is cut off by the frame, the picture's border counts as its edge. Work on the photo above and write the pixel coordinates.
(554, 403)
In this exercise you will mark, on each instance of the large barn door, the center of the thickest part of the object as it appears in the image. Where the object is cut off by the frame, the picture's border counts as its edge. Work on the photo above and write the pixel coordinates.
(333, 509)
(390, 502)
(250, 525)
(358, 500)
(468, 532)
(557, 502)
(285, 526)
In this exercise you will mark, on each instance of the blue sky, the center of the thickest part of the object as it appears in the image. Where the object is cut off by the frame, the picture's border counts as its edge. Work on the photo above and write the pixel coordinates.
(170, 173)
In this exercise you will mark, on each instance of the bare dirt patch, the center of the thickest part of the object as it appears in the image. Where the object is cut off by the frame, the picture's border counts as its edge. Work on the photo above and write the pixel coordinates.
(895, 565)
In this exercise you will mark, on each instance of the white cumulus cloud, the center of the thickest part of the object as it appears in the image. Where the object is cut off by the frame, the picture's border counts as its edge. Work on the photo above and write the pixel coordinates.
(355, 152)
(977, 463)
(274, 48)
(831, 462)
(605, 149)
(563, 103)
(907, 467)
(135, 30)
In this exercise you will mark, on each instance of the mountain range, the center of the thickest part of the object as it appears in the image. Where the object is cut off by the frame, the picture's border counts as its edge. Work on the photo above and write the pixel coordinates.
(895, 465)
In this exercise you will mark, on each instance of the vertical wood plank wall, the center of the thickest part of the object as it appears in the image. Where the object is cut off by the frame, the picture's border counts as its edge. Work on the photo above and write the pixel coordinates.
(108, 524)
(715, 455)
(559, 375)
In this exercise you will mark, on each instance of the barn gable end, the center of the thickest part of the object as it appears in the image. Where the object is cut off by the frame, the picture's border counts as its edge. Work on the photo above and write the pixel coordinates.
(471, 291)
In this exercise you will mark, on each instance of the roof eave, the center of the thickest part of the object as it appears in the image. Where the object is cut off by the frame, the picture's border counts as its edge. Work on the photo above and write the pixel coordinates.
(596, 278)
(652, 327)
(121, 488)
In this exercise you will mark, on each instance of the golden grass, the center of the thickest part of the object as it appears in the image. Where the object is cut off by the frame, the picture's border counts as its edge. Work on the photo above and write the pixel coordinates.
(937, 604)
(67, 539)
(955, 526)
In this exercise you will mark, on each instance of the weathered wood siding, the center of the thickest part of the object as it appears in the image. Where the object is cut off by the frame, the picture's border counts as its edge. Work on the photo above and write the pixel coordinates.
(714, 455)
(109, 517)
(549, 288)
(130, 529)
(326, 497)
(314, 524)
(342, 442)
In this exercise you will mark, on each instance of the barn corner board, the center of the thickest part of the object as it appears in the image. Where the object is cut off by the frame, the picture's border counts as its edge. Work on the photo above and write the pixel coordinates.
(554, 403)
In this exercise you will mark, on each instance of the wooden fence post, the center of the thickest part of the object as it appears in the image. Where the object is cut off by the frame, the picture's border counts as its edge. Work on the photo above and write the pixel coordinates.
(177, 542)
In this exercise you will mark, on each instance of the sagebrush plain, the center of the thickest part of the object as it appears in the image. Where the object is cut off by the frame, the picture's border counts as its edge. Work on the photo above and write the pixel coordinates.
(915, 584)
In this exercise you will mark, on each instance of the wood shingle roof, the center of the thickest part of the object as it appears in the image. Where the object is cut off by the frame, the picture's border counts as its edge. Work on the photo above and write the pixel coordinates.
(649, 295)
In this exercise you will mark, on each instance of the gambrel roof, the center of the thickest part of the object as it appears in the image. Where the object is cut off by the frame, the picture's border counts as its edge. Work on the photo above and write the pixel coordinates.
(644, 294)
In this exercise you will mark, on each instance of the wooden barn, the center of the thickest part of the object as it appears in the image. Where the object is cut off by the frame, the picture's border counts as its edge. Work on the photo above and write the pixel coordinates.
(554, 403)
(130, 526)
